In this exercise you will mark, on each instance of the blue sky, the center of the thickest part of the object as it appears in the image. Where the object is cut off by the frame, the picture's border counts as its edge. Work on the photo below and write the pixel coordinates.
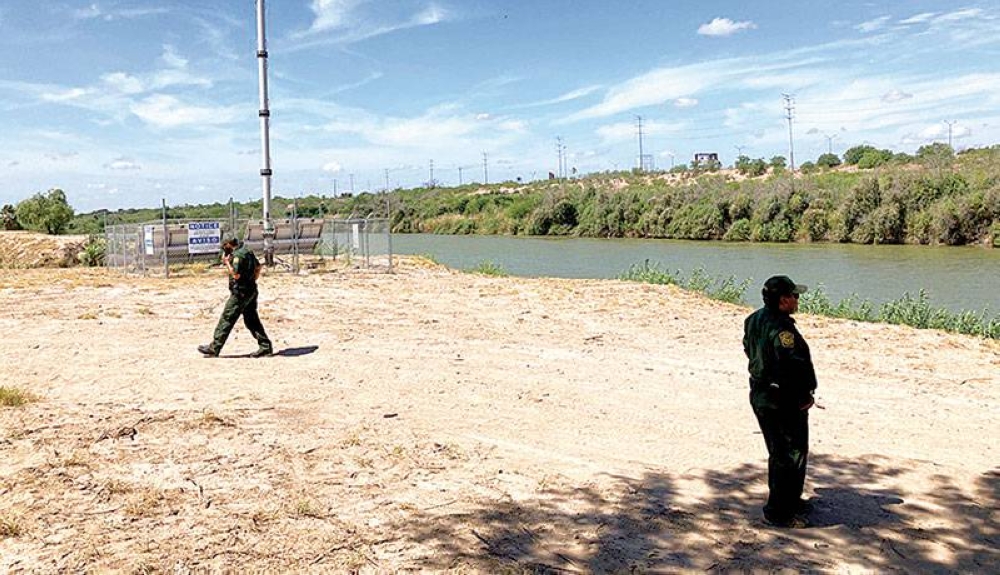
(124, 102)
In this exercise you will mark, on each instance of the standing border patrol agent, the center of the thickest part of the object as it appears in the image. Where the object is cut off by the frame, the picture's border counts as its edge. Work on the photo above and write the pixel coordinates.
(782, 382)
(244, 270)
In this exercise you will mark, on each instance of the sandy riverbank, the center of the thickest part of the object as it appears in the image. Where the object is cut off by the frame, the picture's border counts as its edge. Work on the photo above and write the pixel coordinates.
(431, 421)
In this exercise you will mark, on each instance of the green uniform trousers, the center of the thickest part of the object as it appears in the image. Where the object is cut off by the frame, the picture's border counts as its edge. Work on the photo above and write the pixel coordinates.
(786, 433)
(237, 305)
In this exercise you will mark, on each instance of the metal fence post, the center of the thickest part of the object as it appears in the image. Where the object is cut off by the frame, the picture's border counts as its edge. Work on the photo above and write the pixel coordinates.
(388, 228)
(166, 242)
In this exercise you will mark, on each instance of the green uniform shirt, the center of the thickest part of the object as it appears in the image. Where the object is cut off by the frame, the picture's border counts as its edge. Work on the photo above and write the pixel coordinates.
(780, 365)
(245, 264)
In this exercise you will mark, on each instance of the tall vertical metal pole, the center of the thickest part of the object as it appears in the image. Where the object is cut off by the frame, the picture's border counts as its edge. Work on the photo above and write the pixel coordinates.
(789, 110)
(388, 228)
(265, 135)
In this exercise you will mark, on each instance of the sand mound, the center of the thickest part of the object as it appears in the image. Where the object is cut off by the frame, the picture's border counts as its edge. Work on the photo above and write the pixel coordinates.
(33, 250)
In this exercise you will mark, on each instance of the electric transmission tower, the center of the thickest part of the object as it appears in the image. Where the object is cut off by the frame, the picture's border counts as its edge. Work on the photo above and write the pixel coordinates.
(789, 110)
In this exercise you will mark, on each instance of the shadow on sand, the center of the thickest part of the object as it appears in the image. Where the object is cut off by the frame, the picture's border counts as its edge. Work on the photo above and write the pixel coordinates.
(297, 351)
(639, 525)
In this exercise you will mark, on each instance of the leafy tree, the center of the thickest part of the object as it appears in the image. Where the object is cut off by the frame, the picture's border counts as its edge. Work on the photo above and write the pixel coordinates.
(937, 155)
(807, 168)
(49, 213)
(853, 155)
(779, 162)
(742, 164)
(8, 217)
(874, 158)
(828, 161)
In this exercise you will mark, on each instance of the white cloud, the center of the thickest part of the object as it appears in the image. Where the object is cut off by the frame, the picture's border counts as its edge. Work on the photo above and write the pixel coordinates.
(935, 133)
(873, 25)
(65, 96)
(123, 164)
(332, 167)
(61, 156)
(686, 102)
(168, 112)
(894, 95)
(356, 20)
(433, 14)
(331, 14)
(95, 11)
(966, 14)
(567, 97)
(172, 59)
(724, 27)
(623, 131)
(919, 18)
(512, 125)
(483, 117)
(124, 83)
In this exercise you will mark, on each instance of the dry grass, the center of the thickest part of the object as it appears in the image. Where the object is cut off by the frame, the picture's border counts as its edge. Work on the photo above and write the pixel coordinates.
(16, 397)
(11, 526)
(143, 503)
(308, 508)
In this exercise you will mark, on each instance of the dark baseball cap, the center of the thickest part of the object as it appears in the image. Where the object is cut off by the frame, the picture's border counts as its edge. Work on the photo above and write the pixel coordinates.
(783, 285)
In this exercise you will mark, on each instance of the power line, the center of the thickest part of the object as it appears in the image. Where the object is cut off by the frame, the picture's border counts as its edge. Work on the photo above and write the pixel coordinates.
(486, 170)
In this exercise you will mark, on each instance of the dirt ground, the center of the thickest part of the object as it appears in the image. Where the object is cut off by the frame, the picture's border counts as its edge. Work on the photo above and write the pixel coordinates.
(438, 421)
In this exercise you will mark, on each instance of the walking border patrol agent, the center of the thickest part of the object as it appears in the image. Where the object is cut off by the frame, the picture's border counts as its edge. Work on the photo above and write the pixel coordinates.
(782, 382)
(244, 270)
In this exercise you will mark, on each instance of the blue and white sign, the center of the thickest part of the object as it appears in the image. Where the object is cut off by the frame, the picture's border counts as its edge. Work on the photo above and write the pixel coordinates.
(204, 237)
(147, 239)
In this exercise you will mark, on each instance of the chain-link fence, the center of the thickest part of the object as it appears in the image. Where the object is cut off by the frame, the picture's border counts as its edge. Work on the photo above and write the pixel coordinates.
(152, 247)
(368, 242)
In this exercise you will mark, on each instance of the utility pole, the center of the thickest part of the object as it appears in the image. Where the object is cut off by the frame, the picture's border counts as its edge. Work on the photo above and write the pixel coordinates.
(431, 182)
(335, 187)
(638, 120)
(352, 184)
(264, 113)
(789, 109)
(387, 179)
(486, 171)
(950, 124)
(739, 150)
(460, 175)
(829, 142)
(559, 151)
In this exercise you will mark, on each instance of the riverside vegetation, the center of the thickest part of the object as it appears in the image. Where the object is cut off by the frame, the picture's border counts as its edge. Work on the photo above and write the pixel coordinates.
(934, 197)
(915, 311)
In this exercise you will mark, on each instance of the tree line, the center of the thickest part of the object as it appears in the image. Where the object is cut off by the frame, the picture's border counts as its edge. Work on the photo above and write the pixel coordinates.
(868, 195)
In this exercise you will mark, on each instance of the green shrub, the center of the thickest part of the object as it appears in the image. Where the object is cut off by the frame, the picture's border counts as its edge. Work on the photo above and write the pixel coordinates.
(489, 268)
(813, 225)
(94, 251)
(739, 231)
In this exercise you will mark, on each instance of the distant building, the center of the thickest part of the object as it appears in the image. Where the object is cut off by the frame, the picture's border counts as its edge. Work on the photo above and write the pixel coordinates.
(706, 157)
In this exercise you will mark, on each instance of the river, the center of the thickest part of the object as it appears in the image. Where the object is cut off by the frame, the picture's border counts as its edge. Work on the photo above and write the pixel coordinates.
(955, 278)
